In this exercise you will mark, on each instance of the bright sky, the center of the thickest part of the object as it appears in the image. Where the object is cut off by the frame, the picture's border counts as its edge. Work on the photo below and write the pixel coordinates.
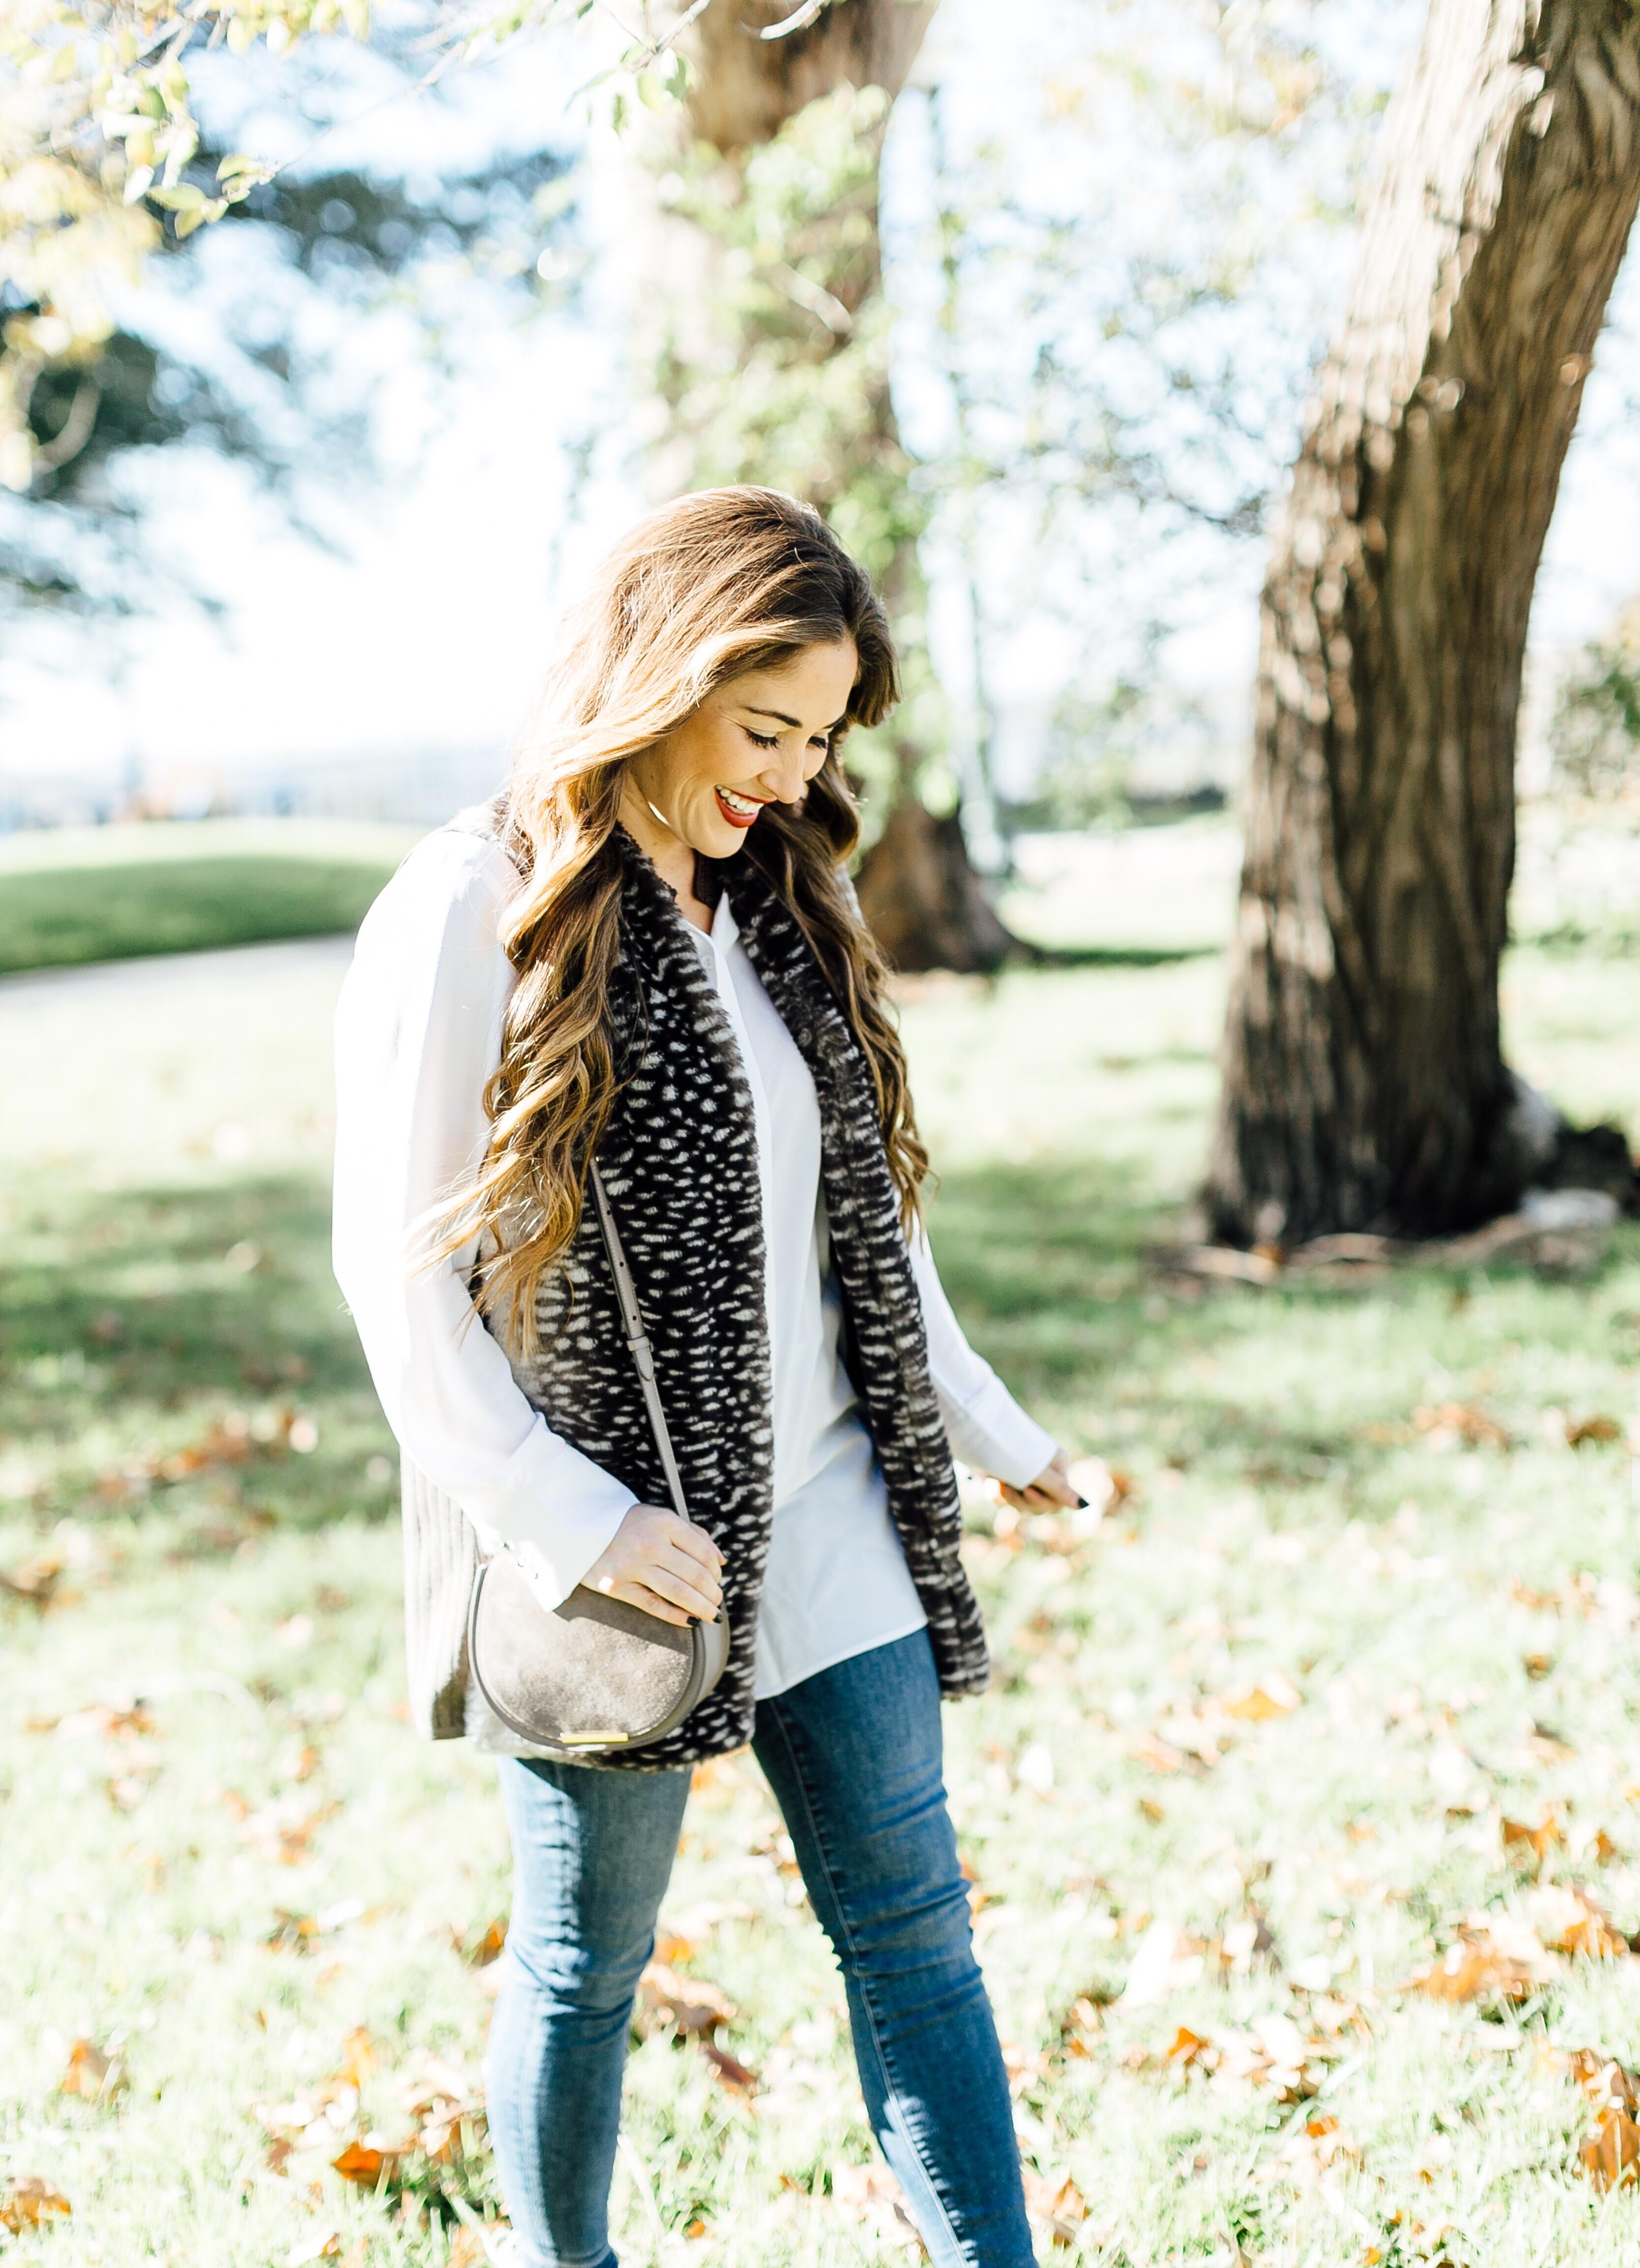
(423, 629)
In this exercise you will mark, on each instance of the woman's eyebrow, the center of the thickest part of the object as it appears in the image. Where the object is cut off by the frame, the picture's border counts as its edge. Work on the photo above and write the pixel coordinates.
(781, 718)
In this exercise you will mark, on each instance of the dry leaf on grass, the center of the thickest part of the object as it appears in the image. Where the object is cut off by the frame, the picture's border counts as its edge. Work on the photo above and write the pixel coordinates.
(978, 1896)
(365, 2159)
(1273, 2052)
(1273, 1696)
(1546, 1746)
(1611, 2155)
(1451, 1425)
(35, 1582)
(91, 2073)
(1202, 1733)
(280, 1830)
(1188, 2048)
(1329, 2142)
(872, 2194)
(729, 2068)
(359, 2057)
(1083, 2019)
(1597, 1428)
(293, 1933)
(1168, 1959)
(1569, 1921)
(694, 2009)
(490, 1947)
(1057, 2207)
(28, 2202)
(1244, 1941)
(447, 2109)
(327, 2245)
(690, 2003)
(1493, 1958)
(1531, 1844)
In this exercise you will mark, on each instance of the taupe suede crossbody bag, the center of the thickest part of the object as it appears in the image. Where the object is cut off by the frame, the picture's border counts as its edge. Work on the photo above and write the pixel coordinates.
(593, 1674)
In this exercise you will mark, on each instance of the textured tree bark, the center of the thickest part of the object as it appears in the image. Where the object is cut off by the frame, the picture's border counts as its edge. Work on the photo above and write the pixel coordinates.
(746, 87)
(1364, 1082)
(922, 898)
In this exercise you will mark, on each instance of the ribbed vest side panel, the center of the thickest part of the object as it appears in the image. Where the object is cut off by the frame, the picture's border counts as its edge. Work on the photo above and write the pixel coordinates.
(440, 1562)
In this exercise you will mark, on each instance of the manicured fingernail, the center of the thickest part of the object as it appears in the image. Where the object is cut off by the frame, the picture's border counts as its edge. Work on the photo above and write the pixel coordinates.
(1082, 1504)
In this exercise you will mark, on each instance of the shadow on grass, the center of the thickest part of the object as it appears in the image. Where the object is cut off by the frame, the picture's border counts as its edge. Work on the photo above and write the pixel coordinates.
(67, 916)
(131, 1324)
(1281, 1388)
(1037, 955)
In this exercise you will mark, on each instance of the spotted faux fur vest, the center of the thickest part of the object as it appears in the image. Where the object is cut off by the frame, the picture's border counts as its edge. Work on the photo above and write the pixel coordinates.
(679, 1160)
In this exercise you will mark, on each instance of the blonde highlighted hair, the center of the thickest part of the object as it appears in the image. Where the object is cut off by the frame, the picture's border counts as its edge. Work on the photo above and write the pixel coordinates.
(714, 586)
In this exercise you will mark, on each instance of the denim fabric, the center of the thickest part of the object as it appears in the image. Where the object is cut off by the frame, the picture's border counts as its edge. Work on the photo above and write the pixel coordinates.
(853, 1756)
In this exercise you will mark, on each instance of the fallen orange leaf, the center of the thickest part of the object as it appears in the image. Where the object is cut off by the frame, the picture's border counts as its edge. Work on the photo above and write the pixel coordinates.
(1448, 1423)
(689, 2003)
(36, 1582)
(1059, 2206)
(359, 2058)
(293, 1933)
(1611, 2155)
(1599, 1428)
(1271, 1696)
(1495, 1960)
(363, 2162)
(90, 2074)
(488, 1948)
(28, 2202)
(1539, 1840)
(873, 2193)
(729, 2068)
(1569, 1921)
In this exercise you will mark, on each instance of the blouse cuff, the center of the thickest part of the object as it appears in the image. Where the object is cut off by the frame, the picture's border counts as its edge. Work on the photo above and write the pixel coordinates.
(554, 1512)
(991, 1432)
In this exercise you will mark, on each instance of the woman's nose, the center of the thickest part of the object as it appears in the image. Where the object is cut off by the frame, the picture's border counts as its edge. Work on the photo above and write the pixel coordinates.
(785, 778)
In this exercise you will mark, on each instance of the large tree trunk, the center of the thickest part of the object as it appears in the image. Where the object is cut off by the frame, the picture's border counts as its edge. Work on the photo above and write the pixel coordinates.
(748, 88)
(774, 364)
(1364, 1084)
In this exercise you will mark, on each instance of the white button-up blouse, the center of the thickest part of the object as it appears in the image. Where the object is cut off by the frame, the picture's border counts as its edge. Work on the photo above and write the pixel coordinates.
(418, 1034)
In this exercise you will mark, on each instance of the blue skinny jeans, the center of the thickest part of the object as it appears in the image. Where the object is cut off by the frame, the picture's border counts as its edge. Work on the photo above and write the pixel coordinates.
(853, 1756)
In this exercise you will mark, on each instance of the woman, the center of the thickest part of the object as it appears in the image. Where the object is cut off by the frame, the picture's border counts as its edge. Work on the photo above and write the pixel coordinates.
(649, 952)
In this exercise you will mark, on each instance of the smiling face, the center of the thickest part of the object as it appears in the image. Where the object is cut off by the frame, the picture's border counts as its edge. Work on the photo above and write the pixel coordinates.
(759, 739)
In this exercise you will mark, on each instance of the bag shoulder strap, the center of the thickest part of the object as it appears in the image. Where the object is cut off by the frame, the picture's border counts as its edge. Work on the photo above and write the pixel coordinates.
(637, 1342)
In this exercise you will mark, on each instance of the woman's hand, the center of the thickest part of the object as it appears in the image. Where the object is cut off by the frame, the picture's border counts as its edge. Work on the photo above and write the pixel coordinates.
(663, 1564)
(1052, 1486)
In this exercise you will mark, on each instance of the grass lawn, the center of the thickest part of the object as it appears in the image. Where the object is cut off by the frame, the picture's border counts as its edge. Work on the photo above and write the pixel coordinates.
(109, 893)
(1341, 1693)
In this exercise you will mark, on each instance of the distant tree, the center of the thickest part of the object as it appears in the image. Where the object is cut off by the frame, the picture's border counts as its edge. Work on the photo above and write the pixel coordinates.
(105, 167)
(73, 534)
(1595, 734)
(1364, 1080)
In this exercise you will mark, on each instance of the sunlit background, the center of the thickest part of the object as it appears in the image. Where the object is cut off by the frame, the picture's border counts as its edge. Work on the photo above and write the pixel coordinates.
(1302, 1817)
(1115, 238)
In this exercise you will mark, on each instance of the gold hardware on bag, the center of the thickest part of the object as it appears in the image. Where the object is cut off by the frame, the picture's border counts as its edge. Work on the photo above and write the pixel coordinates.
(580, 1740)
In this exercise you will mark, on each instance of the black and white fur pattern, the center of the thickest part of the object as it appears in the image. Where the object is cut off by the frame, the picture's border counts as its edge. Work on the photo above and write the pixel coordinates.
(680, 1162)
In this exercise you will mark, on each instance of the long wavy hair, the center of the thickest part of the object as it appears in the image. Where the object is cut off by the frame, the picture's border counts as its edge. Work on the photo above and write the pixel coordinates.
(715, 585)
